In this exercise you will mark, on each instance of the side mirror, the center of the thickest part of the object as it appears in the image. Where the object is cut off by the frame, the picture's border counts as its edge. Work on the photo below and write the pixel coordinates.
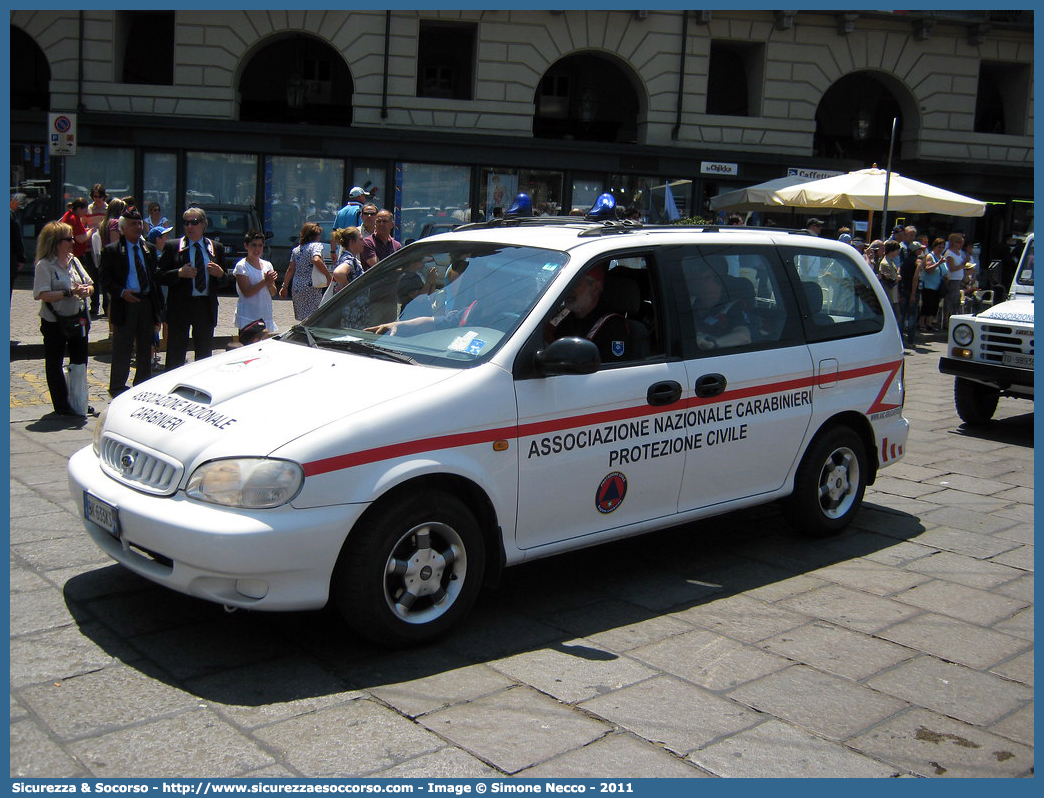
(568, 356)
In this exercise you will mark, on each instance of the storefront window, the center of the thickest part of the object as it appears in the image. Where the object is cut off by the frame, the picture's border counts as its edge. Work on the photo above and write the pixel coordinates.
(299, 190)
(160, 175)
(373, 179)
(501, 186)
(498, 190)
(429, 193)
(586, 189)
(216, 177)
(112, 167)
(652, 198)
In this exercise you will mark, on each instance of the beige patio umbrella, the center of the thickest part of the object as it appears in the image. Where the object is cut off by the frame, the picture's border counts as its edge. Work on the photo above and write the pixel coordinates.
(754, 198)
(865, 190)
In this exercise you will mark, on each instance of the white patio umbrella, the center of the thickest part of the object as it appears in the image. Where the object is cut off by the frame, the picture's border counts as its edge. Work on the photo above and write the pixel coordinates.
(865, 190)
(754, 198)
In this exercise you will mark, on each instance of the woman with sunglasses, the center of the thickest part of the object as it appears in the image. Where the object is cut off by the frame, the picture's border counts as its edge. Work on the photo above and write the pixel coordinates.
(96, 210)
(61, 284)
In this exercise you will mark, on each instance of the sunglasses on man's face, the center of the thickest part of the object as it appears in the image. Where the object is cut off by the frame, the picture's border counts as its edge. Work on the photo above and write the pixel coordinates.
(193, 221)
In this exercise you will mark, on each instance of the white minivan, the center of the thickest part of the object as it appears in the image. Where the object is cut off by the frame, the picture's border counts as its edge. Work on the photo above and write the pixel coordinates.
(554, 384)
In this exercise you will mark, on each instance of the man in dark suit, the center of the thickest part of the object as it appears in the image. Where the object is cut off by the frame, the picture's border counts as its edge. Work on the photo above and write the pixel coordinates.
(193, 269)
(128, 271)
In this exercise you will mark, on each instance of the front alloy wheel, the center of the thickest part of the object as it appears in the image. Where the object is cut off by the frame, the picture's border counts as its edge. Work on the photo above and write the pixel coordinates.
(410, 569)
(425, 573)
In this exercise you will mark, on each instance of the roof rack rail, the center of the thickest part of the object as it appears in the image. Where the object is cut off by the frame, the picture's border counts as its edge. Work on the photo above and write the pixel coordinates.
(611, 227)
(600, 227)
(522, 221)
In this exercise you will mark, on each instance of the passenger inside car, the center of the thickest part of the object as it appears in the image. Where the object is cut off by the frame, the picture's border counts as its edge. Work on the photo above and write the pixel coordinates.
(721, 309)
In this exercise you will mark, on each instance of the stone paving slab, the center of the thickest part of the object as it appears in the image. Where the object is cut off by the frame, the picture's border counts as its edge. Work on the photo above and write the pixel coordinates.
(669, 712)
(958, 691)
(780, 751)
(356, 738)
(727, 648)
(616, 756)
(827, 705)
(515, 729)
(195, 744)
(929, 744)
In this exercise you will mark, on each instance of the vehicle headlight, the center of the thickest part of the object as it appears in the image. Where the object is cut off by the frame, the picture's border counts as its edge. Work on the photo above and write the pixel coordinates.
(252, 483)
(96, 437)
(963, 335)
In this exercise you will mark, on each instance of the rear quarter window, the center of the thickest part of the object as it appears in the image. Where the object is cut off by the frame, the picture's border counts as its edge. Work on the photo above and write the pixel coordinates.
(835, 293)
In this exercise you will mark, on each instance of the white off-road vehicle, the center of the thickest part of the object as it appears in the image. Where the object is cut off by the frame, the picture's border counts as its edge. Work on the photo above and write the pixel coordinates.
(990, 353)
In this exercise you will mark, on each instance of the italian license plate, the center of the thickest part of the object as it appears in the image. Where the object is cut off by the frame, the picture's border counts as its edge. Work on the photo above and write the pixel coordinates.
(101, 513)
(1018, 360)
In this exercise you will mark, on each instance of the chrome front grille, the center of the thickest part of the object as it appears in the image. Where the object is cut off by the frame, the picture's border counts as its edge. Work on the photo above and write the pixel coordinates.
(149, 472)
(996, 339)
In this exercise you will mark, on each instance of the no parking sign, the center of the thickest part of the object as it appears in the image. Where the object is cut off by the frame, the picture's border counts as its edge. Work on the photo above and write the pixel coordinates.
(61, 133)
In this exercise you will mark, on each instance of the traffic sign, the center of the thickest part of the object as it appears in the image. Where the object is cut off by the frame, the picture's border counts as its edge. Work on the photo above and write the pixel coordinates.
(61, 133)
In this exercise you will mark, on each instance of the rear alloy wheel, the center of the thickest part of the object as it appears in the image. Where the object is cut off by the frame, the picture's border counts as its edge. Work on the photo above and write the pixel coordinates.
(829, 485)
(976, 403)
(410, 570)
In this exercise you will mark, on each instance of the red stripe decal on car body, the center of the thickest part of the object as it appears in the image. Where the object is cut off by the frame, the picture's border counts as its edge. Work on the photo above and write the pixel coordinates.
(442, 442)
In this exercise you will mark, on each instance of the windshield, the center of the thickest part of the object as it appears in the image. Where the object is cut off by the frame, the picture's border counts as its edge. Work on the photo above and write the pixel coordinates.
(445, 303)
(1025, 273)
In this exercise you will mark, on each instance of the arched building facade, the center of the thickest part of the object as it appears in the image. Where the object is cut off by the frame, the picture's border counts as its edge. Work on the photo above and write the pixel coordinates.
(444, 112)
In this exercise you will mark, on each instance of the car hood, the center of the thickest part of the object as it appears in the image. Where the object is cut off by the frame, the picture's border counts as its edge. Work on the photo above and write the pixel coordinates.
(1019, 309)
(252, 400)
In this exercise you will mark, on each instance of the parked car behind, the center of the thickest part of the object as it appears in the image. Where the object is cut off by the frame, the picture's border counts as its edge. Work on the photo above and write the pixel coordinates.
(228, 224)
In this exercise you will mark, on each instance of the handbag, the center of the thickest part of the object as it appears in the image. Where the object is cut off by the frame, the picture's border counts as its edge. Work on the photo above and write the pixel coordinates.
(318, 278)
(78, 324)
(74, 326)
(76, 380)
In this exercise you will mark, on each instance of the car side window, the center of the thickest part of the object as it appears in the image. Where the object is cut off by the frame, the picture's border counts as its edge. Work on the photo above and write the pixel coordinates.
(612, 302)
(733, 297)
(836, 296)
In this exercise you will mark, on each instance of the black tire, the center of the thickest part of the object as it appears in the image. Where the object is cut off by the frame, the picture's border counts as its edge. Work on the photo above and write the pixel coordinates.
(411, 569)
(976, 403)
(829, 485)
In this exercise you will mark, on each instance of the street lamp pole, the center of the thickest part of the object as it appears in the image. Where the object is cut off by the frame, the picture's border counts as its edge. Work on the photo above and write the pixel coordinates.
(888, 179)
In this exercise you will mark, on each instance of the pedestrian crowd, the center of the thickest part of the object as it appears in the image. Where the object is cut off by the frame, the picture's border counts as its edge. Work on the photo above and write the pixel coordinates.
(920, 277)
(104, 259)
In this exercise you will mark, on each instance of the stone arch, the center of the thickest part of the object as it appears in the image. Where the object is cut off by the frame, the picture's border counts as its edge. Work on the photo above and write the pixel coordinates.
(854, 118)
(295, 77)
(30, 74)
(589, 95)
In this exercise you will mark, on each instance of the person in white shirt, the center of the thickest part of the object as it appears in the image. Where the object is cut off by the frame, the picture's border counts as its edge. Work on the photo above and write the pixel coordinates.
(255, 284)
(954, 258)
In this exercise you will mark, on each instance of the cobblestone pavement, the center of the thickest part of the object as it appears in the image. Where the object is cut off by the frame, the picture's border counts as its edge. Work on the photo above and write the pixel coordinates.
(722, 648)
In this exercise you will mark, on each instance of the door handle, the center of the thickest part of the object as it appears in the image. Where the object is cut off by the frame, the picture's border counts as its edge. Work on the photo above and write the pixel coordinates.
(664, 393)
(710, 385)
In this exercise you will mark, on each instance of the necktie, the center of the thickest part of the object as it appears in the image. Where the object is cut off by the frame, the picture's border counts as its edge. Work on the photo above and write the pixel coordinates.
(139, 265)
(201, 269)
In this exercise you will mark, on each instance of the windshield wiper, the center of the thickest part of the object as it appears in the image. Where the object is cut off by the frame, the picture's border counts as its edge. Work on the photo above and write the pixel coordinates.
(308, 334)
(372, 350)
